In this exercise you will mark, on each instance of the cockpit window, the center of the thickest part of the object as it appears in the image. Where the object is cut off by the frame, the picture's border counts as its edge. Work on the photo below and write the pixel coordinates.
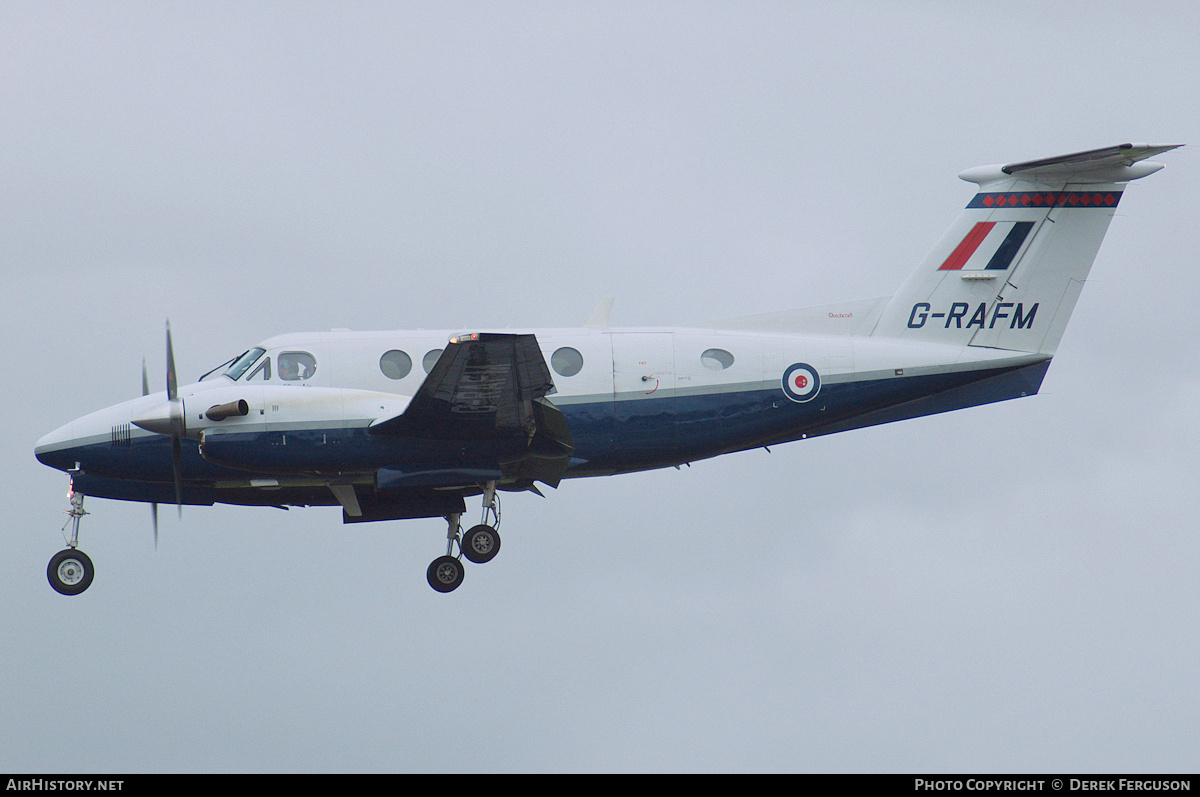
(240, 365)
(296, 365)
(262, 370)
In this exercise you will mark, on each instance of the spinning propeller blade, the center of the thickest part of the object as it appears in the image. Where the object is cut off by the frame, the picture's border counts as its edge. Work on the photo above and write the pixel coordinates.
(172, 388)
(177, 428)
(166, 419)
(153, 506)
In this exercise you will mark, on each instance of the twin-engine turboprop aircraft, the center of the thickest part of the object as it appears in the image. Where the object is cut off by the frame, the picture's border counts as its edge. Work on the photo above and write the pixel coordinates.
(395, 425)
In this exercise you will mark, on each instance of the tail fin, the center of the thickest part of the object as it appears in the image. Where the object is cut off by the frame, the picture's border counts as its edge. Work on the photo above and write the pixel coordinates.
(1009, 270)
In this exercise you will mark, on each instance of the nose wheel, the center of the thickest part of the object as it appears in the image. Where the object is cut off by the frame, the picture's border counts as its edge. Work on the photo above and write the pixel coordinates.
(70, 571)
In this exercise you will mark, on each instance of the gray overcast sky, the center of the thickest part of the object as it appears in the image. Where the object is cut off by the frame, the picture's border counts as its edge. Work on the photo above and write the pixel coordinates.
(1007, 588)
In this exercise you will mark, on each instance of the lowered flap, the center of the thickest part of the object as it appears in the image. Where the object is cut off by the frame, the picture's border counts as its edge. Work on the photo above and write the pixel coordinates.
(550, 449)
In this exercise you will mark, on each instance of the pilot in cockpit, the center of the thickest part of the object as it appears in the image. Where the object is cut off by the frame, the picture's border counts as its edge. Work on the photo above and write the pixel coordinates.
(289, 369)
(294, 366)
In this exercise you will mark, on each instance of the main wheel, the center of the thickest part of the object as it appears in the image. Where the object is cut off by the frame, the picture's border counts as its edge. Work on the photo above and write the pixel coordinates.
(445, 574)
(70, 571)
(481, 544)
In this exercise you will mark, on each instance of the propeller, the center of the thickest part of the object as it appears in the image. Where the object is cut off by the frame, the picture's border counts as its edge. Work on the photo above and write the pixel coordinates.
(177, 422)
(167, 419)
(154, 505)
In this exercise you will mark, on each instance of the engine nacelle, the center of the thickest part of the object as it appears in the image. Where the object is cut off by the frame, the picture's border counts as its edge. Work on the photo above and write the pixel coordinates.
(276, 429)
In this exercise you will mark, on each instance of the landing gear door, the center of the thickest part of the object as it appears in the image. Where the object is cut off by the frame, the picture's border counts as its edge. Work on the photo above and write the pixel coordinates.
(644, 393)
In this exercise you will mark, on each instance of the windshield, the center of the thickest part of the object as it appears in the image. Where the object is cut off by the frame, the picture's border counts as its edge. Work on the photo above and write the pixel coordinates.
(240, 365)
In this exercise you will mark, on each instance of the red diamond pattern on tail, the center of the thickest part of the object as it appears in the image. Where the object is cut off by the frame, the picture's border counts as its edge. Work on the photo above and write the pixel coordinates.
(1062, 199)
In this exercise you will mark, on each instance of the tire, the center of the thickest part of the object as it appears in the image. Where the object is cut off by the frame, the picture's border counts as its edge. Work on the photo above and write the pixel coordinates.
(445, 574)
(481, 544)
(70, 571)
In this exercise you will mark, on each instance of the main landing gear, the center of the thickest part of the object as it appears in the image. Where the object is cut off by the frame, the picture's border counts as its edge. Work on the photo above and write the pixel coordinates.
(70, 571)
(479, 544)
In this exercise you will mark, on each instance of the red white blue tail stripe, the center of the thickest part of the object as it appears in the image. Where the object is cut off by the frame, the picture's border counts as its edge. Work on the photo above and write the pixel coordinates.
(989, 245)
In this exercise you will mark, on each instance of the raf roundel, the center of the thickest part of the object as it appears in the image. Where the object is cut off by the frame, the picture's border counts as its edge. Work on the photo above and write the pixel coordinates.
(801, 382)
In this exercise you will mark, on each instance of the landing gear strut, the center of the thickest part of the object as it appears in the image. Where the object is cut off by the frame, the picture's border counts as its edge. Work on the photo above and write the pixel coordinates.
(70, 571)
(480, 544)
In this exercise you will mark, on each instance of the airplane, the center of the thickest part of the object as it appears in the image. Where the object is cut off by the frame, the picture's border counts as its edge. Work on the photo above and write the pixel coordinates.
(401, 425)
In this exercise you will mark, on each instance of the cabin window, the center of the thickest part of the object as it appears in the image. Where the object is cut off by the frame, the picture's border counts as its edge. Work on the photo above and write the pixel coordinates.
(716, 359)
(431, 358)
(566, 361)
(395, 364)
(296, 365)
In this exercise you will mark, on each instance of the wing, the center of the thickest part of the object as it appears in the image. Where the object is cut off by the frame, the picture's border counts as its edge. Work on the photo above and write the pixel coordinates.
(488, 390)
(479, 389)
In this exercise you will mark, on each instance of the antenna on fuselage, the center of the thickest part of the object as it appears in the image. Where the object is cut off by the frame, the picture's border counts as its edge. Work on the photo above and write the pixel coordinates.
(599, 317)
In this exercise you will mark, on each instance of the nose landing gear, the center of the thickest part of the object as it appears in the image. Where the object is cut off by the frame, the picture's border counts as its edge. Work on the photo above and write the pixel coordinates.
(70, 571)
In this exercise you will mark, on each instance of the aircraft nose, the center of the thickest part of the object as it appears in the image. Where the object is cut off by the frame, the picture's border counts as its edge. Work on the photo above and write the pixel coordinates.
(53, 449)
(99, 440)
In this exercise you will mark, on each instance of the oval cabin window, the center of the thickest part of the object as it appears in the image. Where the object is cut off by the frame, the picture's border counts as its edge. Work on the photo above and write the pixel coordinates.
(395, 364)
(430, 360)
(716, 359)
(566, 361)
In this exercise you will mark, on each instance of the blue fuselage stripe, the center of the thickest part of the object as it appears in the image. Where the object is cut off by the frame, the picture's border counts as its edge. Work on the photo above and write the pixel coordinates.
(609, 436)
